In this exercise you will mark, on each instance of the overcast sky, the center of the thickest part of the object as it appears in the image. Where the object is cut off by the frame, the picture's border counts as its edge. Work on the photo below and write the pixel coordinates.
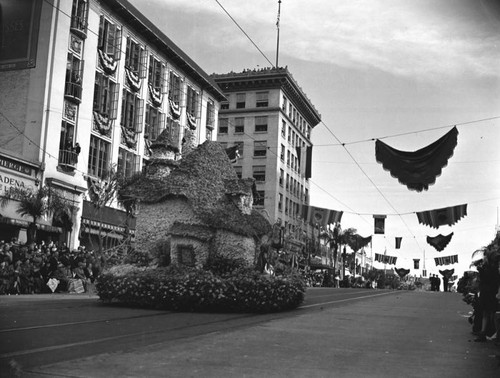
(374, 69)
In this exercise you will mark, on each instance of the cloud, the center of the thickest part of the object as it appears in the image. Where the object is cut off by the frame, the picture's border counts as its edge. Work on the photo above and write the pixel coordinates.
(423, 38)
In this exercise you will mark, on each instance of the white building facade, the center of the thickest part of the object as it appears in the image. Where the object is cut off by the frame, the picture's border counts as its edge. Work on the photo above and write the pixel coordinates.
(92, 87)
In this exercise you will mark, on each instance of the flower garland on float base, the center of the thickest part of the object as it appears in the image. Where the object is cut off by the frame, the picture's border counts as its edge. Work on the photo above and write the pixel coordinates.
(108, 63)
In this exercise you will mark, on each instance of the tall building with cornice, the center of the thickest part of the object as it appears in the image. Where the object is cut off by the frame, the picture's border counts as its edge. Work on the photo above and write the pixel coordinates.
(271, 119)
(87, 85)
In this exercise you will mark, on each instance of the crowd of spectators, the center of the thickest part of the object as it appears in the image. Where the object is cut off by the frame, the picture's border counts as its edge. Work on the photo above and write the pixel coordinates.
(46, 267)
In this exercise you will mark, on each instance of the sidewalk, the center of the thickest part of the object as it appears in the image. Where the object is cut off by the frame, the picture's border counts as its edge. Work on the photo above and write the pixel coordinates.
(410, 334)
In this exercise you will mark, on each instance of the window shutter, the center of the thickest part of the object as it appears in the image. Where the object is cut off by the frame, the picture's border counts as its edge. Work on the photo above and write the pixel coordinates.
(114, 102)
(100, 43)
(139, 112)
(162, 122)
(117, 43)
(143, 63)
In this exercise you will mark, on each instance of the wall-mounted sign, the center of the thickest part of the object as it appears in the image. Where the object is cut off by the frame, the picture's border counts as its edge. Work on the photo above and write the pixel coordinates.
(19, 24)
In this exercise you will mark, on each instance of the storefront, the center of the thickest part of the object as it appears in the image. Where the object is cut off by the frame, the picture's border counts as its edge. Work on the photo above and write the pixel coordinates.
(111, 226)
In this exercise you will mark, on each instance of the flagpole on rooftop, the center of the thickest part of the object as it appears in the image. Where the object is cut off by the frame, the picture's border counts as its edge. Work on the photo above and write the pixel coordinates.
(278, 33)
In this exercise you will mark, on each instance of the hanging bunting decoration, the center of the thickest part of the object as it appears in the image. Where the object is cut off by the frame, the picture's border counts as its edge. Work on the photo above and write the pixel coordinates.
(418, 169)
(398, 242)
(155, 95)
(357, 242)
(175, 110)
(440, 241)
(102, 124)
(318, 215)
(391, 260)
(379, 224)
(447, 273)
(191, 121)
(147, 147)
(133, 80)
(444, 216)
(402, 272)
(416, 263)
(447, 260)
(108, 63)
(129, 137)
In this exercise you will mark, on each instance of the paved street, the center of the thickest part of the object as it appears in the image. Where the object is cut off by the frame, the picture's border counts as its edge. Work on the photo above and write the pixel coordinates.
(336, 333)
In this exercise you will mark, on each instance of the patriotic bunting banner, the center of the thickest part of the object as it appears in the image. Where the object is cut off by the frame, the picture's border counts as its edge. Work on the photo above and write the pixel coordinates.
(379, 224)
(402, 272)
(444, 216)
(418, 169)
(448, 260)
(318, 215)
(358, 242)
(440, 241)
(233, 153)
(391, 260)
(398, 242)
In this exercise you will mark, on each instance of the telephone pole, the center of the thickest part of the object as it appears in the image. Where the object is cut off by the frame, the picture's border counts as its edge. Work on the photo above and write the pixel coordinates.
(278, 33)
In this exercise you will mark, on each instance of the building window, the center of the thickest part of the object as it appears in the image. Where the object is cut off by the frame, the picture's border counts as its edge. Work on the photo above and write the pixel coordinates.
(105, 96)
(259, 148)
(192, 102)
(283, 129)
(224, 105)
(239, 125)
(79, 16)
(155, 122)
(287, 182)
(280, 202)
(241, 146)
(283, 106)
(98, 157)
(127, 163)
(74, 73)
(174, 88)
(259, 199)
(223, 125)
(282, 176)
(239, 171)
(282, 154)
(156, 74)
(262, 99)
(110, 38)
(259, 173)
(261, 124)
(67, 154)
(185, 255)
(240, 100)
(208, 134)
(134, 58)
(210, 114)
(288, 158)
(132, 111)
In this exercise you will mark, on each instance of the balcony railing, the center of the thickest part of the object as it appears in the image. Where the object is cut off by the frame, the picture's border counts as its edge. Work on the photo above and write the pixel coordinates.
(79, 26)
(68, 159)
(73, 91)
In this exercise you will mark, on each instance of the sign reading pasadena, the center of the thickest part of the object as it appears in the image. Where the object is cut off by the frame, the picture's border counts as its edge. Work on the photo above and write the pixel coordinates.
(7, 182)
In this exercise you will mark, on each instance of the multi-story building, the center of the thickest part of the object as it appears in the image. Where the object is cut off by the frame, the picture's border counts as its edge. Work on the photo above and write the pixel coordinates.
(271, 119)
(86, 86)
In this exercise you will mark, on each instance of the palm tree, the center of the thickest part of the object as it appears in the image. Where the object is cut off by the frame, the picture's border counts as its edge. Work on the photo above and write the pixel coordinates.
(336, 237)
(37, 203)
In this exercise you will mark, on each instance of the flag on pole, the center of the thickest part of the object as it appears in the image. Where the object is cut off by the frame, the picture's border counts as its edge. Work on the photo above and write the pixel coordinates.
(398, 242)
(379, 221)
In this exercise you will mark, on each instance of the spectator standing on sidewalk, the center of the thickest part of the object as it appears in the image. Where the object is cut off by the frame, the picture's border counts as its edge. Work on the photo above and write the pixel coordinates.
(489, 280)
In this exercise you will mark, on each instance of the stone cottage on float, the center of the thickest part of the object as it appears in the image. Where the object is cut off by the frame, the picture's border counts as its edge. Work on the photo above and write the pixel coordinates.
(195, 207)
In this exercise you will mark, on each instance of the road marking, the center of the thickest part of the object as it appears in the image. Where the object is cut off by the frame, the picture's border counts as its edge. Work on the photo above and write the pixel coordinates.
(343, 300)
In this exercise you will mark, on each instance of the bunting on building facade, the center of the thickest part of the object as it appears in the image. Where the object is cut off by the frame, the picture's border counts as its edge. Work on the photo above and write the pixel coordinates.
(444, 216)
(440, 241)
(401, 272)
(447, 260)
(419, 169)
